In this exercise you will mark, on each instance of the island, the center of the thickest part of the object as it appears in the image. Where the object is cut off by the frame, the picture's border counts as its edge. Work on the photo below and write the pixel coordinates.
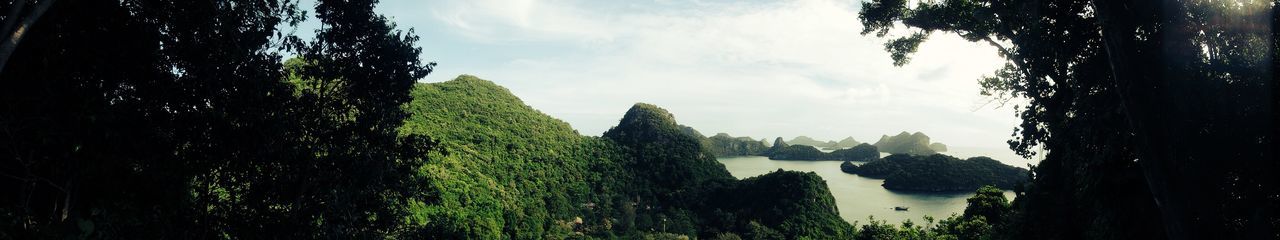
(847, 142)
(909, 143)
(938, 173)
(799, 152)
(861, 152)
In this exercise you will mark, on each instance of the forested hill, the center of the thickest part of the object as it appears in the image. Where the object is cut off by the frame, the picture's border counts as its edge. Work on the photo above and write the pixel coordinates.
(510, 170)
(513, 172)
(663, 152)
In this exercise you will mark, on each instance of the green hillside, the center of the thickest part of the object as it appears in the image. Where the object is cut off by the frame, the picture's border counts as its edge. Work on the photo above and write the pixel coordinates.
(510, 171)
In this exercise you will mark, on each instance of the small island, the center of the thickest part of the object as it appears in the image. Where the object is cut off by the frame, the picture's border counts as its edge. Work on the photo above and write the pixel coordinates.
(798, 152)
(783, 151)
(938, 173)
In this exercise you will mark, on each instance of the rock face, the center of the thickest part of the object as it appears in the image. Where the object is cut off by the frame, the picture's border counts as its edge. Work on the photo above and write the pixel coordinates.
(905, 143)
(938, 147)
(778, 144)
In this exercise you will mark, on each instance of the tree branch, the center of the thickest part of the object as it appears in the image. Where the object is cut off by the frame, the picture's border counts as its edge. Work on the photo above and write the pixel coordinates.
(11, 19)
(16, 34)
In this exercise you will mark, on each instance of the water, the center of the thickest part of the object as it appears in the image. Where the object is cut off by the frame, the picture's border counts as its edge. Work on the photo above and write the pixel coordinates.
(858, 197)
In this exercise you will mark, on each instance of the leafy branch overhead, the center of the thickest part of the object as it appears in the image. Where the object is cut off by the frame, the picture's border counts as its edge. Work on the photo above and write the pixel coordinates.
(1126, 96)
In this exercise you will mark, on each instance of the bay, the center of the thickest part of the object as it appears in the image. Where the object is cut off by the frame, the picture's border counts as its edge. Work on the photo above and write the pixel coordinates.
(859, 198)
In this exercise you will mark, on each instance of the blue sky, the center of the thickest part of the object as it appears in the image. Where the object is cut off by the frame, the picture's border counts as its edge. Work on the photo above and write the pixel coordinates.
(748, 68)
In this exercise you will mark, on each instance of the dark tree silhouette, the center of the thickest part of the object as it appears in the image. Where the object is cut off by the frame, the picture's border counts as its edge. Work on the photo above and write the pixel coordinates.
(1179, 93)
(156, 119)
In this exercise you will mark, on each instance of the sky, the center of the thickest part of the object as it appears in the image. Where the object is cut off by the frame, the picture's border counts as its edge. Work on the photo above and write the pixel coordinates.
(761, 69)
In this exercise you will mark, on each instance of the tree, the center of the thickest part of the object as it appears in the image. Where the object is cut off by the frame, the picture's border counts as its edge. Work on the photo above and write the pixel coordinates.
(156, 119)
(18, 22)
(375, 66)
(1084, 67)
(989, 203)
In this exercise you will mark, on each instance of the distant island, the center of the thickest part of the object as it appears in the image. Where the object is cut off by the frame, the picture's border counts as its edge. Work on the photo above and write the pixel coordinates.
(909, 143)
(807, 148)
(847, 142)
(723, 145)
(938, 172)
(798, 152)
(783, 151)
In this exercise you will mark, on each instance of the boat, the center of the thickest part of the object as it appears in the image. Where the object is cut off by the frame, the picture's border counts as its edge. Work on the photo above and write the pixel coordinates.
(899, 208)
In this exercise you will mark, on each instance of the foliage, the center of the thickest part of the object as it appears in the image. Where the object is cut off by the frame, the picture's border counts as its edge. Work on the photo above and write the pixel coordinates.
(149, 120)
(861, 152)
(794, 204)
(940, 172)
(1121, 130)
(512, 171)
(799, 152)
(849, 167)
(988, 200)
(663, 152)
(989, 203)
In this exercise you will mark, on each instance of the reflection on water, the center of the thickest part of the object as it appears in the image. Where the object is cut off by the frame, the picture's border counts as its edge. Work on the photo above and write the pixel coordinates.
(859, 197)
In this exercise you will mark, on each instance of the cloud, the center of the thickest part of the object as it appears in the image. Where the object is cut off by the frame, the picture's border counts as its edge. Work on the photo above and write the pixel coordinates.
(758, 69)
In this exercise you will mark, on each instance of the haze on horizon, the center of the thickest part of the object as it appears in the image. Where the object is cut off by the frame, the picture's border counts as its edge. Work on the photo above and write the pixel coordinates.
(754, 69)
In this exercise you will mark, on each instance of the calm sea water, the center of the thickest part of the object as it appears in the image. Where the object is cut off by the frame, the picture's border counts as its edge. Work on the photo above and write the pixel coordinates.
(859, 198)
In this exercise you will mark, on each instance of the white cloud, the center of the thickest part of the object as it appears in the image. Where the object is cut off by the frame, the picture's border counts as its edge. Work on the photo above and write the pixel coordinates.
(763, 70)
